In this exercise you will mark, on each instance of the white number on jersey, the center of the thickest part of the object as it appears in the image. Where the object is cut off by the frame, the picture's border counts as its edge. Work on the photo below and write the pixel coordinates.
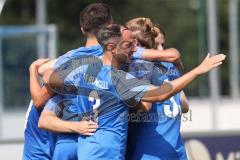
(94, 98)
(175, 107)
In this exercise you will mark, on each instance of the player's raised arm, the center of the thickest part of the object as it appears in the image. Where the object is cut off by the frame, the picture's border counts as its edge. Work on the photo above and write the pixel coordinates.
(46, 66)
(165, 91)
(39, 94)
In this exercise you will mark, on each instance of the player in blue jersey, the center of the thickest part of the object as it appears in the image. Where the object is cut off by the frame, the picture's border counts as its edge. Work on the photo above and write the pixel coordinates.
(66, 146)
(161, 130)
(41, 149)
(91, 19)
(111, 91)
(40, 98)
(145, 33)
(160, 45)
(40, 95)
(38, 144)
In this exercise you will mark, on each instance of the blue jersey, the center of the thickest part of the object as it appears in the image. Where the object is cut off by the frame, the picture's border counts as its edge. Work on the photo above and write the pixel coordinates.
(109, 93)
(140, 68)
(38, 144)
(161, 132)
(69, 107)
(63, 149)
(67, 63)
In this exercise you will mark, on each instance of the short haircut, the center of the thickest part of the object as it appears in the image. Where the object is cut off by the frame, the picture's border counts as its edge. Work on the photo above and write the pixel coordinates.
(94, 17)
(109, 34)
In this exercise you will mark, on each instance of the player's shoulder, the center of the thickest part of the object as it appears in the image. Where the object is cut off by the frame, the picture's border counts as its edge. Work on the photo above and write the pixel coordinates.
(167, 64)
(69, 53)
(138, 53)
(120, 74)
(56, 99)
(81, 52)
(63, 58)
(95, 50)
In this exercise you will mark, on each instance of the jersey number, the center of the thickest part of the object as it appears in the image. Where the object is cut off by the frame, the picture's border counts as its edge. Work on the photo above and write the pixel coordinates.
(94, 98)
(175, 107)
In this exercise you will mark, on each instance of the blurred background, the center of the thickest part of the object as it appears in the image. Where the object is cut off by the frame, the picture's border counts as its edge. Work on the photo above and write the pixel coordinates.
(49, 28)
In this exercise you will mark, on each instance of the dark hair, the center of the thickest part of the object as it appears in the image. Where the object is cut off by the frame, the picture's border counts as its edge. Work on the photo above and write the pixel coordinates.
(109, 34)
(159, 29)
(94, 17)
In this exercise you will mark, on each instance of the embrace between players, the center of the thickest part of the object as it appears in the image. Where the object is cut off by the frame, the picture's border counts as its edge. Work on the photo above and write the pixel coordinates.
(122, 75)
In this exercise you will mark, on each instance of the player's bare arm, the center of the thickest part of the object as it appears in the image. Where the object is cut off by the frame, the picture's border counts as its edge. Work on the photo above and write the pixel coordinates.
(48, 65)
(49, 121)
(167, 90)
(144, 106)
(39, 94)
(167, 55)
(184, 102)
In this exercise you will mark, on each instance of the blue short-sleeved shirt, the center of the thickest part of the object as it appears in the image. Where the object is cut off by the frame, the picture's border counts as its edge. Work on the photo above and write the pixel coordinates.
(109, 95)
(38, 143)
(161, 131)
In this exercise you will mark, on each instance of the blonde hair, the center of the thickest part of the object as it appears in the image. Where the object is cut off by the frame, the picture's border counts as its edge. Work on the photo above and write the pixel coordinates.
(144, 31)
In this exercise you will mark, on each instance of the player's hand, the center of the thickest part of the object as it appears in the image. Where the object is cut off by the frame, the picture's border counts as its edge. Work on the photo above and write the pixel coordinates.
(86, 128)
(46, 66)
(36, 64)
(210, 62)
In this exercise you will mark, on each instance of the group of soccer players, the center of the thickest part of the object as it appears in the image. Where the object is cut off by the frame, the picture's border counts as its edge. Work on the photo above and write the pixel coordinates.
(90, 94)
